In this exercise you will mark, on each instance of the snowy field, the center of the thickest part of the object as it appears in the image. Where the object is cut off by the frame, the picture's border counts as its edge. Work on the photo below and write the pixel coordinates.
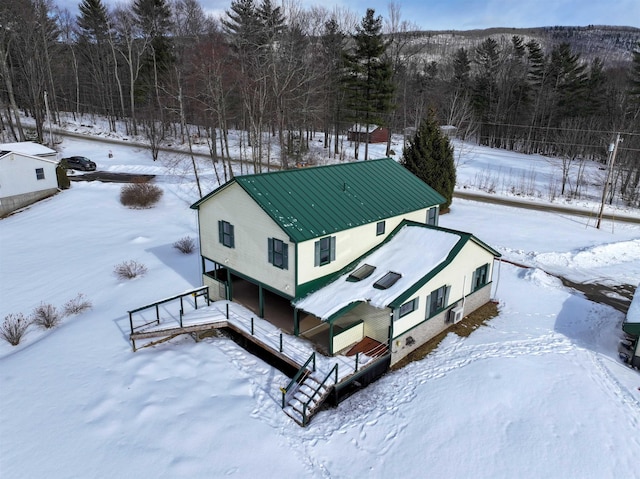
(537, 393)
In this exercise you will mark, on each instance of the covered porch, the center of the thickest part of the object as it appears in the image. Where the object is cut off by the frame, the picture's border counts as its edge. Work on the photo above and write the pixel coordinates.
(344, 331)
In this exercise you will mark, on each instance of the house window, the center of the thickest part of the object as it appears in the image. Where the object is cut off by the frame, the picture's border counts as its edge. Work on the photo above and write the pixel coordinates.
(387, 280)
(361, 273)
(432, 216)
(40, 173)
(480, 277)
(278, 253)
(325, 250)
(408, 307)
(437, 300)
(225, 231)
(380, 228)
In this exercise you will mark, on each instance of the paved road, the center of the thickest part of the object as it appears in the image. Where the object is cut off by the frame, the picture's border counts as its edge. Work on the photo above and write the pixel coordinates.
(498, 200)
(458, 194)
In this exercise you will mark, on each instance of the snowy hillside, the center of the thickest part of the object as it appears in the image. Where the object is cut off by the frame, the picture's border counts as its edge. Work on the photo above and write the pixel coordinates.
(537, 392)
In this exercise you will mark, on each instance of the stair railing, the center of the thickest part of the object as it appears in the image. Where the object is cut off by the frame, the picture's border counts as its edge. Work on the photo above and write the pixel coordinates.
(305, 406)
(292, 387)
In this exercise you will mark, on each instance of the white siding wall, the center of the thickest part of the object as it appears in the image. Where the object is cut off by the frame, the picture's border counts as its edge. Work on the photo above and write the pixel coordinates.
(217, 289)
(348, 337)
(405, 343)
(252, 228)
(18, 175)
(377, 322)
(350, 244)
(457, 274)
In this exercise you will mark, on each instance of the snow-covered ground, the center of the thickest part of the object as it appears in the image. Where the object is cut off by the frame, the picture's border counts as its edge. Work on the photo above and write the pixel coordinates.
(538, 392)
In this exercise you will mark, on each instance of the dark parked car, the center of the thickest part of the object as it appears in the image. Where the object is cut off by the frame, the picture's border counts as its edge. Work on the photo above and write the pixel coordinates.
(79, 163)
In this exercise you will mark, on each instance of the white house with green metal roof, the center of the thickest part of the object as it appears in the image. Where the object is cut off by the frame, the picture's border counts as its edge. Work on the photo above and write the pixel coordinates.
(353, 248)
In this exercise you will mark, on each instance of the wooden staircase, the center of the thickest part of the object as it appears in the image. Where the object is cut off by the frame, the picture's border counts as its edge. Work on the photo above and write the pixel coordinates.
(307, 398)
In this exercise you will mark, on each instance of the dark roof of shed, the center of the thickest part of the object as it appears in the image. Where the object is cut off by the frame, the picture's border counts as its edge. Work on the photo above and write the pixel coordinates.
(311, 202)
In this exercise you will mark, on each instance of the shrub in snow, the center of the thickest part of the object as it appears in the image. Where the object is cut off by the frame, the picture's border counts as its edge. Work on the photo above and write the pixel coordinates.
(140, 195)
(46, 316)
(129, 269)
(13, 328)
(77, 305)
(185, 245)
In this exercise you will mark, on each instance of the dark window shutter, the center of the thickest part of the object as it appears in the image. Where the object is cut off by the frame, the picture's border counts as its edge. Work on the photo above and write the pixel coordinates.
(233, 236)
(270, 249)
(220, 232)
(333, 248)
(285, 256)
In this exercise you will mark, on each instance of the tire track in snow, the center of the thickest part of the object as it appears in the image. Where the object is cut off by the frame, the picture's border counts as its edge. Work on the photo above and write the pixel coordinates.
(620, 392)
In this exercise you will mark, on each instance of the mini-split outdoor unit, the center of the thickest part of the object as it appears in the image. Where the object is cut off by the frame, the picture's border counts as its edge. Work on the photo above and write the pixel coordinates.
(456, 314)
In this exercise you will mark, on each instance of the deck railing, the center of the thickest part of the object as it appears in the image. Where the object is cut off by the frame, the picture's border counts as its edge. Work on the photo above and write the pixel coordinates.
(196, 292)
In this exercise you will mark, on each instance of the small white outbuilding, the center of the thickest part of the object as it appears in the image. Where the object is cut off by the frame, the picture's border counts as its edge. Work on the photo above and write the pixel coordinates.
(25, 179)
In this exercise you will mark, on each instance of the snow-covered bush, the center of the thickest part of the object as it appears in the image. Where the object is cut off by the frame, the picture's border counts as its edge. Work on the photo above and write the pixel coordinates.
(77, 305)
(129, 269)
(46, 316)
(185, 245)
(13, 328)
(140, 195)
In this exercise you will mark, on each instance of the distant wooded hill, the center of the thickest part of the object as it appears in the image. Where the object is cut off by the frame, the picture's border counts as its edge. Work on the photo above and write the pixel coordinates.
(613, 45)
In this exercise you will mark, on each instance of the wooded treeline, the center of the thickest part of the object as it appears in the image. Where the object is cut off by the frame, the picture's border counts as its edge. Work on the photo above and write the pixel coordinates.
(166, 68)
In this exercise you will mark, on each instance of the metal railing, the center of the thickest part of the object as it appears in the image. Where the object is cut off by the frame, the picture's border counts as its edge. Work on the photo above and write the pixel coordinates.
(196, 292)
(305, 406)
(292, 387)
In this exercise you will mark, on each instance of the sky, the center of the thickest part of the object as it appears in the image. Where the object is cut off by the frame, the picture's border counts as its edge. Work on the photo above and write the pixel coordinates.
(469, 14)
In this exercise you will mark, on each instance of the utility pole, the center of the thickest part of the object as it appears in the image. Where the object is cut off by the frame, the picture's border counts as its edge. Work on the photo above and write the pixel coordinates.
(613, 150)
(46, 105)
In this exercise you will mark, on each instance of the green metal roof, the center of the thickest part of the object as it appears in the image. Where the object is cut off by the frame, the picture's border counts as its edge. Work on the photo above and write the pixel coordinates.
(311, 202)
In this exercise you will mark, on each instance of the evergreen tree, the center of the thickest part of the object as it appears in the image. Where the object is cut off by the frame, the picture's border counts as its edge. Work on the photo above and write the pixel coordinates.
(429, 156)
(461, 69)
(154, 20)
(485, 95)
(93, 21)
(331, 56)
(368, 80)
(94, 51)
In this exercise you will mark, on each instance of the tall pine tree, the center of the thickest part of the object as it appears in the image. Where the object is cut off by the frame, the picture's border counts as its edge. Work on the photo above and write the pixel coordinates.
(368, 79)
(429, 156)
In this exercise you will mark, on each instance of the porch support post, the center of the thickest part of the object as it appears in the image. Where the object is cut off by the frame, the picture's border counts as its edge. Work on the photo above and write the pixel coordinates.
(202, 266)
(261, 301)
(330, 338)
(296, 322)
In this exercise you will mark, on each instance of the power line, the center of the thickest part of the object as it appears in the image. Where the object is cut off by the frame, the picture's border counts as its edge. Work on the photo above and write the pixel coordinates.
(556, 128)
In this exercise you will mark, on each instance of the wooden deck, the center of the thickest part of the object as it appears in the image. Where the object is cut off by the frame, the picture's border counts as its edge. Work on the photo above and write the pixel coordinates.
(370, 347)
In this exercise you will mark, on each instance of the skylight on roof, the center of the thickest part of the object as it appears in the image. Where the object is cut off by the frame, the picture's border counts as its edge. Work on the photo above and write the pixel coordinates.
(361, 273)
(387, 280)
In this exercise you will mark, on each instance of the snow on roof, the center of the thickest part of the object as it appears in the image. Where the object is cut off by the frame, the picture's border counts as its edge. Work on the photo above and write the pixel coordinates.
(633, 315)
(363, 129)
(413, 252)
(28, 148)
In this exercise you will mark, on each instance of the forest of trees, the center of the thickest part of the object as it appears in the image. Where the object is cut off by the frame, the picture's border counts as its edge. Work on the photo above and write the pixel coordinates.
(166, 68)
